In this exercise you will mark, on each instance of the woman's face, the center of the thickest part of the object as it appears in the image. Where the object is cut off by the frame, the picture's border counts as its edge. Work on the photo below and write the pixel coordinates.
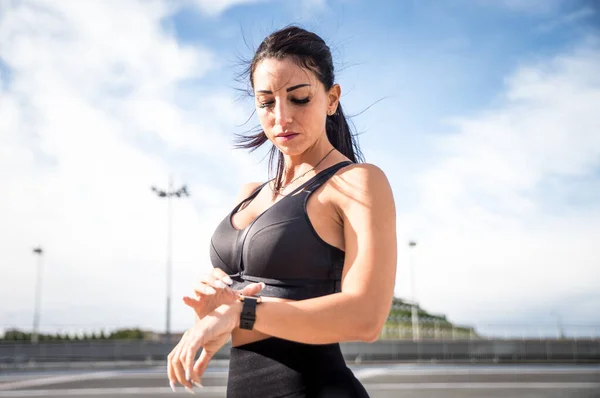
(291, 104)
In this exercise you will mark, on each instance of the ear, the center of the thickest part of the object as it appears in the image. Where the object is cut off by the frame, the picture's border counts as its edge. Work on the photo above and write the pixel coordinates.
(333, 97)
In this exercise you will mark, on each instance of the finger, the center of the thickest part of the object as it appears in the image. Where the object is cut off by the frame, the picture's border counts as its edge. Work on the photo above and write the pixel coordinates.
(219, 284)
(218, 273)
(170, 372)
(179, 368)
(200, 367)
(252, 289)
(189, 364)
(198, 306)
(216, 282)
(187, 358)
(193, 302)
(211, 281)
(171, 364)
(204, 289)
(205, 304)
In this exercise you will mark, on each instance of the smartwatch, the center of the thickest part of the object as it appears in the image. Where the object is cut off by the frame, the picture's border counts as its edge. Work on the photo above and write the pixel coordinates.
(248, 315)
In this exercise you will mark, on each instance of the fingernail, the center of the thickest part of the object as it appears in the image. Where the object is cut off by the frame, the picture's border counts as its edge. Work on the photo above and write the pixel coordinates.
(187, 375)
(220, 284)
(262, 285)
(172, 386)
(198, 384)
(227, 280)
(210, 290)
(190, 390)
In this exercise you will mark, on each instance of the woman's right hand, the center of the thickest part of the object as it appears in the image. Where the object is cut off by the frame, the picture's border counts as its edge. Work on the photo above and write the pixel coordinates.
(214, 291)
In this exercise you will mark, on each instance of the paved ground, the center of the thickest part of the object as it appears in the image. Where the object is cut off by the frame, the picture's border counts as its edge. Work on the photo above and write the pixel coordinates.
(382, 381)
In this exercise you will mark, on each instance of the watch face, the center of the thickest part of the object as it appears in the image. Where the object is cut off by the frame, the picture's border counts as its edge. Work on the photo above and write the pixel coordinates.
(250, 298)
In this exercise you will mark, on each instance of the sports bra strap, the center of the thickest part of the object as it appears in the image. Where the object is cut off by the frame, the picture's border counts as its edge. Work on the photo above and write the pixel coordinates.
(323, 176)
(312, 184)
(250, 197)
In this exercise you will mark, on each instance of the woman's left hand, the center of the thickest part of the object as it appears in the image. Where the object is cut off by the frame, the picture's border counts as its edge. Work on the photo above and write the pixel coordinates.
(210, 333)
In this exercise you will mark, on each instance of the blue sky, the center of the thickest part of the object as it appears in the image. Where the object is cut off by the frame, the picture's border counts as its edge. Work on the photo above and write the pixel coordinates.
(483, 114)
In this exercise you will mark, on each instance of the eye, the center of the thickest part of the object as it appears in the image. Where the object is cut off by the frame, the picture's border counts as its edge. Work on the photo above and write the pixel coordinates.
(301, 101)
(265, 104)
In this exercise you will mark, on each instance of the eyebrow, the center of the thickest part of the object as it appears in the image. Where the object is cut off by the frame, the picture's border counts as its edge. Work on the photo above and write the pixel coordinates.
(287, 90)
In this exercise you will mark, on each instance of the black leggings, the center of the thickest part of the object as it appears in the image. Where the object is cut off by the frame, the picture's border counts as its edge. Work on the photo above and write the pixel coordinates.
(276, 368)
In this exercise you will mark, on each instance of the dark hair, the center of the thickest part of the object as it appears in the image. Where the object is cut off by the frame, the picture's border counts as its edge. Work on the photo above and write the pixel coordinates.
(309, 51)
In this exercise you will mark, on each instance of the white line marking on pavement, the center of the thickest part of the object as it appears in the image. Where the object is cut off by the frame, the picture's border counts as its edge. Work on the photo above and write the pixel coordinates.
(31, 381)
(222, 389)
(105, 391)
(479, 386)
(57, 379)
(362, 374)
(373, 372)
(156, 375)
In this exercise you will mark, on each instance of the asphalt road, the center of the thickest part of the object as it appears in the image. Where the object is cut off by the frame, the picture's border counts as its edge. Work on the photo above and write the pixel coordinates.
(380, 380)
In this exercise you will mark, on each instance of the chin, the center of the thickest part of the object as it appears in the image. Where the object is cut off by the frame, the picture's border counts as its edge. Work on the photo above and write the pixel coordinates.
(291, 150)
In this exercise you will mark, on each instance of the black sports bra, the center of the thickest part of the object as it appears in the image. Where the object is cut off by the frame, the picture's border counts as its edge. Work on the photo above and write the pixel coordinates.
(280, 247)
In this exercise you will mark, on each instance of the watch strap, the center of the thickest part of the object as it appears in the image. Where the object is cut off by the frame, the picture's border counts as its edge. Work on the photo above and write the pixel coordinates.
(248, 315)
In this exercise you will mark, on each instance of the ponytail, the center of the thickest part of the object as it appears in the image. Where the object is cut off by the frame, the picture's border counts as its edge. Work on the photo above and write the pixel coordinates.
(340, 136)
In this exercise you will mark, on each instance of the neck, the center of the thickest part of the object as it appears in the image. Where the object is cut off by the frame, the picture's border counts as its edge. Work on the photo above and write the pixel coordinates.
(298, 164)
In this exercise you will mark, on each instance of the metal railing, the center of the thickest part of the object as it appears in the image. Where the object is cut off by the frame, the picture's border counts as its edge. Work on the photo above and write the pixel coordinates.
(28, 354)
(437, 330)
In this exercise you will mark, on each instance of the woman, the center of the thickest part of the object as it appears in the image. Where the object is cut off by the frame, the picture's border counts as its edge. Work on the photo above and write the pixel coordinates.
(307, 259)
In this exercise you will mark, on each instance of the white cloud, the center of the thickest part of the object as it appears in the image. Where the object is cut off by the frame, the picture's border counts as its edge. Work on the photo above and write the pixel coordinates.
(90, 80)
(217, 7)
(493, 246)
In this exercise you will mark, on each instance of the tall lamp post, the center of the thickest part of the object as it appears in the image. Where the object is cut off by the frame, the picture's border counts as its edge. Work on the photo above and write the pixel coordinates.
(413, 310)
(38, 293)
(168, 194)
(560, 334)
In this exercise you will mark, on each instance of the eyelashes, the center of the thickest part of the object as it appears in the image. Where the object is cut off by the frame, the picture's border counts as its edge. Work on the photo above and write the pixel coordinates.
(301, 101)
(298, 101)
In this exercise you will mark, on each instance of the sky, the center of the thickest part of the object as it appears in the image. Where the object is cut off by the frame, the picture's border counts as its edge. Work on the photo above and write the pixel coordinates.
(484, 115)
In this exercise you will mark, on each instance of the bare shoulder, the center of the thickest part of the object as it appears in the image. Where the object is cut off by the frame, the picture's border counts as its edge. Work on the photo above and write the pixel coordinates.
(365, 183)
(246, 191)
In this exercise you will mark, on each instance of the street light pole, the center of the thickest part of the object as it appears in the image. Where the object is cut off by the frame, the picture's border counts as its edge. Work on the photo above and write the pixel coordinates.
(559, 330)
(413, 310)
(168, 194)
(38, 293)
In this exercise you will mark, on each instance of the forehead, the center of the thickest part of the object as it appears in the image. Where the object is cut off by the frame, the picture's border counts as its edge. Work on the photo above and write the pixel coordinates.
(276, 74)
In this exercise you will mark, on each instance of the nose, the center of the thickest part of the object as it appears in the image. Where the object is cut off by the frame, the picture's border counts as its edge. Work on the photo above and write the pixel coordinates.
(283, 115)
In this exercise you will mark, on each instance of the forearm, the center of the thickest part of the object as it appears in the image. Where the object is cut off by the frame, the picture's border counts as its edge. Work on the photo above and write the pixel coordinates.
(328, 319)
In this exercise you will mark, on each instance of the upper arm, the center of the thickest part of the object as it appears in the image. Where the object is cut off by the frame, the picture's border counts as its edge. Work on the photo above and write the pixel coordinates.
(369, 217)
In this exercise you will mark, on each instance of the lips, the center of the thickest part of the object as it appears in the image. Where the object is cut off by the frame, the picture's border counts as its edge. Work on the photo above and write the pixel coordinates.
(285, 137)
(287, 134)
